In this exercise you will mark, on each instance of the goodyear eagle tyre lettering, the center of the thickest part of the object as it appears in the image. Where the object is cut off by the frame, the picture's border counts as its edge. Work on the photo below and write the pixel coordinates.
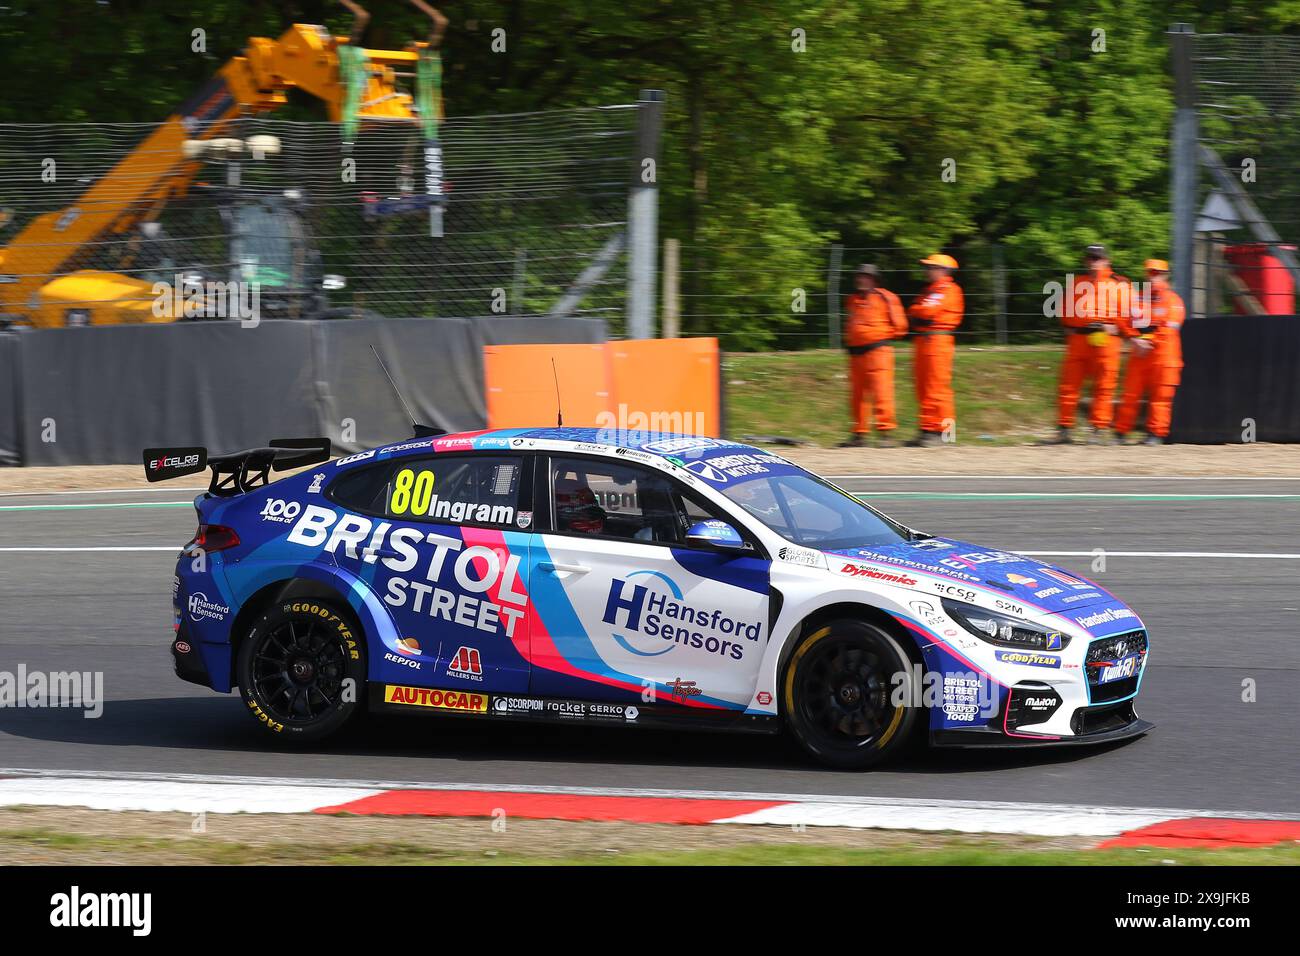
(302, 670)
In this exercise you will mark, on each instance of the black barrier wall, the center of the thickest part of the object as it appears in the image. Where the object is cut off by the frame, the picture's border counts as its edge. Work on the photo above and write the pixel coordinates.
(1239, 369)
(101, 395)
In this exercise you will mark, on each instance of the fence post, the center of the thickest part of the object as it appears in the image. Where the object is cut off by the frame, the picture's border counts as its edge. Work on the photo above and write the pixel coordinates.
(642, 216)
(999, 294)
(517, 292)
(833, 268)
(1183, 162)
(671, 327)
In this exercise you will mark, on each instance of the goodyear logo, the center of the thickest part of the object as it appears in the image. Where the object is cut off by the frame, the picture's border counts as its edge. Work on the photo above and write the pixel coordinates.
(1031, 658)
(439, 699)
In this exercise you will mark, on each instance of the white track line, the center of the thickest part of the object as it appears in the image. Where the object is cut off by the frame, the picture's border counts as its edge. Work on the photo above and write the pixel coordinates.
(172, 548)
(100, 491)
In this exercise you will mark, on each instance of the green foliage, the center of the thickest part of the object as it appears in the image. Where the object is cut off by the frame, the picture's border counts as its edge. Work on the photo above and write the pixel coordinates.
(789, 123)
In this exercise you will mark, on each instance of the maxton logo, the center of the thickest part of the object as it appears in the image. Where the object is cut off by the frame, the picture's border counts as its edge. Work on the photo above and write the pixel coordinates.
(466, 664)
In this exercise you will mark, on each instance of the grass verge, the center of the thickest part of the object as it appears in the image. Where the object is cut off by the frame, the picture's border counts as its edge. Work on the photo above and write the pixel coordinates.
(1003, 394)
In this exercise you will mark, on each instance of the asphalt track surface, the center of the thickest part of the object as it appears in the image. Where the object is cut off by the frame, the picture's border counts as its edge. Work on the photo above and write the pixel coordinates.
(1217, 622)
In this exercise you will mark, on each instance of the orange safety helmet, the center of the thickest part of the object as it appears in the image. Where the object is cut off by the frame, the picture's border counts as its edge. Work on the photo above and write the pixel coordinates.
(939, 259)
(1156, 265)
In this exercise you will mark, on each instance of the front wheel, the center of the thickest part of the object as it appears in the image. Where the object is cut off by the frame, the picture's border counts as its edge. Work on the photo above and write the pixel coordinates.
(851, 694)
(302, 670)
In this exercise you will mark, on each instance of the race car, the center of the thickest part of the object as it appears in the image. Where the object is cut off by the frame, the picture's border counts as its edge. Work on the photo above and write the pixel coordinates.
(637, 579)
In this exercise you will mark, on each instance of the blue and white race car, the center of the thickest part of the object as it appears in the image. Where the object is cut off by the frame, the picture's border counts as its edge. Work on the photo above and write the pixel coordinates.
(577, 574)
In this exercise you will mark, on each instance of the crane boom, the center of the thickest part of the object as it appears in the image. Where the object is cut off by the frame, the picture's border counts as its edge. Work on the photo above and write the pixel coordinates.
(305, 57)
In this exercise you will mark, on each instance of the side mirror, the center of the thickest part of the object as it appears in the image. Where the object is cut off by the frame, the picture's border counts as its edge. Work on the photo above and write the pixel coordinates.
(715, 534)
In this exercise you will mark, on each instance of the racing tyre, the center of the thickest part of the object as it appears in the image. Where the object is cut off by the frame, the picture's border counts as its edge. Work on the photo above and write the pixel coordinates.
(302, 669)
(839, 695)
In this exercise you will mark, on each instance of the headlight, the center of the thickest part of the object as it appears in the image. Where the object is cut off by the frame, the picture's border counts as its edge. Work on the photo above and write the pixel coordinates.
(1003, 630)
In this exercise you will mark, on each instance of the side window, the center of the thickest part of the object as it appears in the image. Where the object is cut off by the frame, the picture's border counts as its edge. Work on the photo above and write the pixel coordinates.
(470, 490)
(614, 500)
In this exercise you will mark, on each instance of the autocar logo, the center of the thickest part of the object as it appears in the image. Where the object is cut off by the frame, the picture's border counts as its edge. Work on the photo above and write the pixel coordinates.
(438, 699)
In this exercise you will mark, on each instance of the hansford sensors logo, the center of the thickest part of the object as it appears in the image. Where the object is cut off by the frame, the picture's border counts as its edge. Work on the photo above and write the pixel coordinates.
(665, 621)
(201, 608)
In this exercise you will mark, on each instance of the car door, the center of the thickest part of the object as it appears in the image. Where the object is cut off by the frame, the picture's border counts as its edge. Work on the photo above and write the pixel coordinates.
(450, 568)
(624, 607)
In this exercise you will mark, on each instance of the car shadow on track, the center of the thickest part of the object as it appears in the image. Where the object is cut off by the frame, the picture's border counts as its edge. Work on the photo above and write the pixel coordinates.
(381, 744)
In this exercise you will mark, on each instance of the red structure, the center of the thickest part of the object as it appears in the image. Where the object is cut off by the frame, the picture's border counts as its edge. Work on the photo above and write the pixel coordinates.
(1268, 279)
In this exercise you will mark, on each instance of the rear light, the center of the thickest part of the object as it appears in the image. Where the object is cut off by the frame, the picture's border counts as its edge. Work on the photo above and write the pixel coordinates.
(211, 538)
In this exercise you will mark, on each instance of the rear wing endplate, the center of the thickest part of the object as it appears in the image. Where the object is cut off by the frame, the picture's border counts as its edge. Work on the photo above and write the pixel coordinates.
(237, 472)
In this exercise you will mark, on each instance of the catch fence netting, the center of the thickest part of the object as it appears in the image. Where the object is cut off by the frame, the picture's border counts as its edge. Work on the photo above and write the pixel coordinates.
(534, 212)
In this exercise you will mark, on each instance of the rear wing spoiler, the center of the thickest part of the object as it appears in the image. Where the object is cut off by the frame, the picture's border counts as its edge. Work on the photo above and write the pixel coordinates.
(240, 471)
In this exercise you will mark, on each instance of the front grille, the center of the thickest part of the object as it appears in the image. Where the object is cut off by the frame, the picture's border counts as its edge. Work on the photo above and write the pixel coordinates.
(1108, 652)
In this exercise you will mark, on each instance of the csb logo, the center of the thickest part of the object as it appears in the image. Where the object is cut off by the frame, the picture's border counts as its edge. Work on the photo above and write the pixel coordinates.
(277, 509)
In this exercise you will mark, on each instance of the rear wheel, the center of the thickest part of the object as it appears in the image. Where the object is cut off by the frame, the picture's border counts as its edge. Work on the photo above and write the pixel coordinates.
(851, 694)
(302, 669)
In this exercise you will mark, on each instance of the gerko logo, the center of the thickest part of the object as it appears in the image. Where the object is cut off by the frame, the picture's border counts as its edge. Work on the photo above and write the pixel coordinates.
(893, 577)
(466, 664)
(201, 608)
(670, 622)
(75, 909)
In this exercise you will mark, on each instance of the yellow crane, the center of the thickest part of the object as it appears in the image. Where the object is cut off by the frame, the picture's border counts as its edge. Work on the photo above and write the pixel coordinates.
(164, 166)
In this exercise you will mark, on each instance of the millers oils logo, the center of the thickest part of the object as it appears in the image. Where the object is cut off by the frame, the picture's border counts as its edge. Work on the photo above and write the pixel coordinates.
(466, 664)
(438, 699)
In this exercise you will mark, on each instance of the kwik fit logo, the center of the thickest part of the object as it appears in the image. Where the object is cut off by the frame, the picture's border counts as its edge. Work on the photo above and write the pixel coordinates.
(662, 621)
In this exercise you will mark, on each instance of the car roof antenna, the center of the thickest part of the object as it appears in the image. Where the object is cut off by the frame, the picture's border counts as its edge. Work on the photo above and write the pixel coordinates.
(421, 431)
(559, 410)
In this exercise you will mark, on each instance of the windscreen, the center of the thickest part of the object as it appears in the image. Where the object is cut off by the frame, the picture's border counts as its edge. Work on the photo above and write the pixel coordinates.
(807, 511)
